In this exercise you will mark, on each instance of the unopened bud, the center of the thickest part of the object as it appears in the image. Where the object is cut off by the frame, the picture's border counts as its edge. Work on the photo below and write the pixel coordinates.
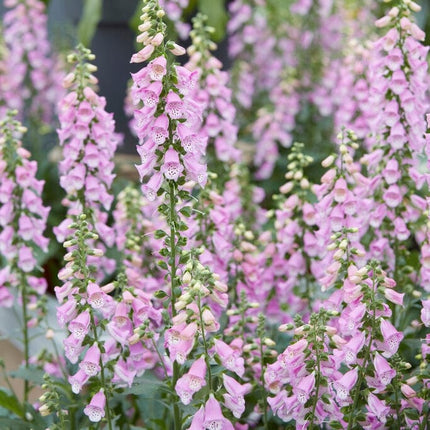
(49, 334)
(186, 279)
(269, 342)
(286, 327)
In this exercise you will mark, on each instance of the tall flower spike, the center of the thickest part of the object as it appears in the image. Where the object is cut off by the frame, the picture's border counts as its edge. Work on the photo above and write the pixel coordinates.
(30, 80)
(87, 135)
(178, 111)
(212, 90)
(22, 223)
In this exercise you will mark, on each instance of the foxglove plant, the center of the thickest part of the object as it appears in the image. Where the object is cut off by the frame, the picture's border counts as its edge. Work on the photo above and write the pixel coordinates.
(167, 117)
(30, 79)
(213, 93)
(22, 224)
(89, 141)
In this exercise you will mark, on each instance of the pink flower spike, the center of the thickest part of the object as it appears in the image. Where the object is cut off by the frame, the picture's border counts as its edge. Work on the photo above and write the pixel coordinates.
(95, 411)
(172, 167)
(91, 362)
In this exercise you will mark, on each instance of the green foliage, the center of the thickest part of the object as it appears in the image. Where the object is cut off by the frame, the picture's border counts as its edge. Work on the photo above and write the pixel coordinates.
(217, 16)
(11, 403)
(91, 15)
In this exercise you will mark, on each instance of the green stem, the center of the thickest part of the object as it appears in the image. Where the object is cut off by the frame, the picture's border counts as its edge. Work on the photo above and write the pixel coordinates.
(317, 378)
(265, 421)
(160, 357)
(25, 333)
(173, 268)
(366, 358)
(102, 374)
(205, 346)
(397, 403)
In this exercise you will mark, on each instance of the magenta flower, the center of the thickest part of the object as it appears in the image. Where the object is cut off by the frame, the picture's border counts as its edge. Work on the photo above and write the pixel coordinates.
(96, 297)
(192, 381)
(425, 312)
(157, 68)
(172, 167)
(150, 95)
(124, 372)
(151, 188)
(229, 358)
(377, 408)
(234, 399)
(344, 385)
(96, 409)
(174, 105)
(160, 130)
(78, 380)
(214, 419)
(80, 326)
(198, 419)
(383, 371)
(304, 388)
(73, 348)
(392, 338)
(353, 347)
(91, 362)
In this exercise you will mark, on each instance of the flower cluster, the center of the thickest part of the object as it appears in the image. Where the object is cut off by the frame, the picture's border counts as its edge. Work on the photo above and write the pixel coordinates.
(30, 79)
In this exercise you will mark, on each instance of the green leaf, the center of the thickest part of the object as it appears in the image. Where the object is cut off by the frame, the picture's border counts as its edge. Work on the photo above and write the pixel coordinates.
(10, 424)
(11, 403)
(163, 265)
(31, 374)
(159, 234)
(160, 294)
(186, 211)
(91, 16)
(217, 16)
